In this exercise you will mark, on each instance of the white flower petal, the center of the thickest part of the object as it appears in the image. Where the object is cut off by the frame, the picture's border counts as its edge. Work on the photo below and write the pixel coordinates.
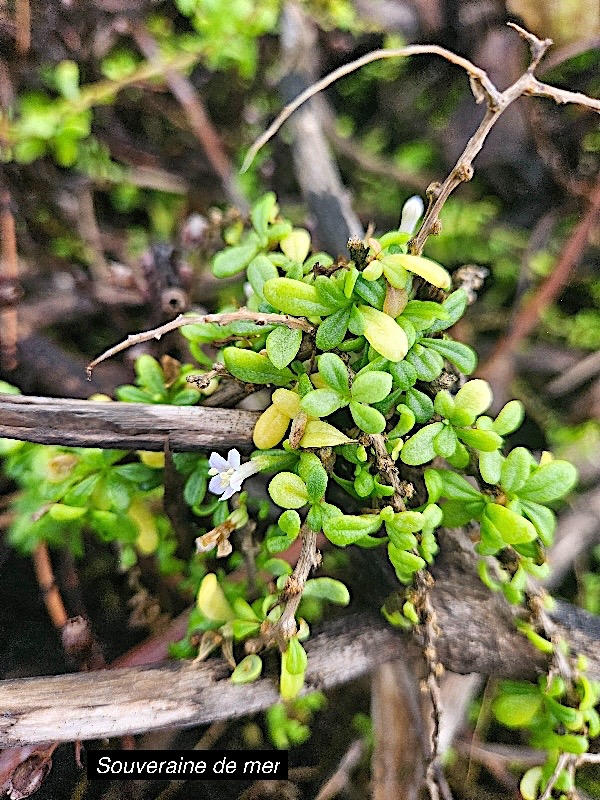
(233, 459)
(229, 492)
(216, 461)
(216, 485)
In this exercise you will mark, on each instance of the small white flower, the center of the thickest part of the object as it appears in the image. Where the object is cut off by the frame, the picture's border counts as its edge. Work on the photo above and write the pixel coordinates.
(412, 211)
(229, 474)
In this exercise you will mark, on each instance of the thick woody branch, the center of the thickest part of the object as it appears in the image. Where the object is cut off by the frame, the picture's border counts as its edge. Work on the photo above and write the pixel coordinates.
(197, 319)
(474, 637)
(126, 426)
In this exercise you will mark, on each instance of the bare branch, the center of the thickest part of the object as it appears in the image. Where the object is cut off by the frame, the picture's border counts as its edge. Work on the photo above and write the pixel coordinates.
(483, 89)
(242, 314)
(473, 71)
(126, 426)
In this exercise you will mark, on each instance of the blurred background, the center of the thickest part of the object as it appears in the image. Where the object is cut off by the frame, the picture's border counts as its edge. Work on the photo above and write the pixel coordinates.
(123, 124)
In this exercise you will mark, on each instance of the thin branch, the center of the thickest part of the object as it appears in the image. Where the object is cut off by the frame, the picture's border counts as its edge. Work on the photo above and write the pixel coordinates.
(294, 586)
(346, 69)
(340, 780)
(483, 89)
(10, 290)
(198, 319)
(124, 426)
(551, 287)
(562, 762)
(197, 117)
(50, 593)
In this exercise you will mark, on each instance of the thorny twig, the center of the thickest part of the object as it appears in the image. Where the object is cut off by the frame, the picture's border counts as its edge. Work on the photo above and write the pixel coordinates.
(198, 319)
(483, 90)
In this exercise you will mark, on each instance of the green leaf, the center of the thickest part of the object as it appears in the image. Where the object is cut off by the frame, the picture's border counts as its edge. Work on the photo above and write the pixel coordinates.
(455, 487)
(405, 563)
(372, 292)
(409, 330)
(260, 270)
(367, 418)
(327, 589)
(531, 783)
(394, 271)
(346, 529)
(472, 400)
(150, 375)
(195, 488)
(509, 418)
(335, 373)
(423, 313)
(371, 386)
(403, 375)
(512, 528)
(516, 469)
(330, 292)
(443, 404)
(445, 442)
(332, 330)
(282, 345)
(384, 334)
(420, 404)
(461, 355)
(296, 658)
(517, 710)
(263, 212)
(455, 306)
(295, 297)
(252, 367)
(314, 476)
(229, 262)
(322, 434)
(543, 519)
(457, 513)
(290, 522)
(490, 466)
(322, 402)
(427, 363)
(289, 684)
(419, 448)
(549, 482)
(249, 668)
(486, 441)
(406, 422)
(288, 490)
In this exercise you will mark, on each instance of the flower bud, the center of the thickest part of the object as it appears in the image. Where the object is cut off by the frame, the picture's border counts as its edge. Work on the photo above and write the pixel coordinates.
(412, 212)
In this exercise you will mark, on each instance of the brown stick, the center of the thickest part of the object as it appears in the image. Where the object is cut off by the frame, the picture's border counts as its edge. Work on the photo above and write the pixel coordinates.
(9, 287)
(198, 120)
(23, 26)
(549, 290)
(45, 578)
(127, 426)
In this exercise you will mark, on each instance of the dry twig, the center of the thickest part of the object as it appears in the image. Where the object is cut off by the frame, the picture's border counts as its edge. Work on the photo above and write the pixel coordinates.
(10, 290)
(483, 90)
(197, 319)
